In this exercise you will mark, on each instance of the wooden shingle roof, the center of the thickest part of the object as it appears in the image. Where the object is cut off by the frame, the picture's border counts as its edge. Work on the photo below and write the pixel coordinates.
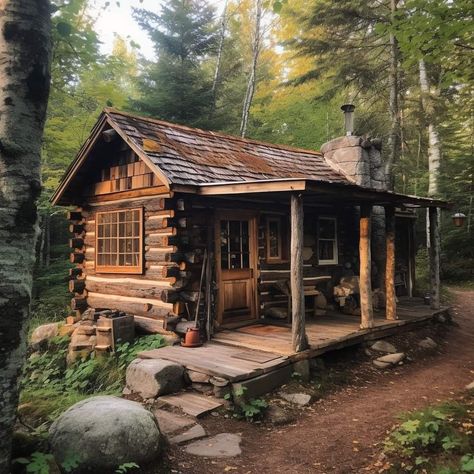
(190, 156)
(192, 160)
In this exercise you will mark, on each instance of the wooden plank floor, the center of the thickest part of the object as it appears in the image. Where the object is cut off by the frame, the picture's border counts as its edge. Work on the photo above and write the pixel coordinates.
(250, 351)
(231, 362)
(333, 331)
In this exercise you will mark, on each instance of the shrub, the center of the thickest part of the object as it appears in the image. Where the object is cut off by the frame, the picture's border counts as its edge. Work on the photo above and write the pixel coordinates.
(437, 439)
(49, 386)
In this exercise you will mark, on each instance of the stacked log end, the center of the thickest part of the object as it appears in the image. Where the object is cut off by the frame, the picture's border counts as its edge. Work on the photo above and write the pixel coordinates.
(77, 256)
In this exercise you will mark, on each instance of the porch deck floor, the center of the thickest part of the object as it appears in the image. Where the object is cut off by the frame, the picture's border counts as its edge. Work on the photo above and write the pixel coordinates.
(250, 351)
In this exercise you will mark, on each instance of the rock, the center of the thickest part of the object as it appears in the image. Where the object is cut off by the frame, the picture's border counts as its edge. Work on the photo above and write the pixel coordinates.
(219, 381)
(427, 343)
(389, 360)
(82, 341)
(170, 423)
(202, 387)
(85, 330)
(66, 329)
(196, 432)
(470, 386)
(88, 314)
(42, 334)
(278, 416)
(74, 355)
(104, 432)
(223, 445)
(441, 318)
(301, 399)
(383, 346)
(301, 367)
(197, 377)
(154, 377)
(221, 392)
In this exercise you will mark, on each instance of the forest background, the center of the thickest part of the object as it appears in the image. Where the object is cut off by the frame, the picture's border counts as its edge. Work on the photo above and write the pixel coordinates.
(276, 71)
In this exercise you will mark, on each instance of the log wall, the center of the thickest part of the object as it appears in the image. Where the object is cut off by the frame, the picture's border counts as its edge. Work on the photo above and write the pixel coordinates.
(156, 292)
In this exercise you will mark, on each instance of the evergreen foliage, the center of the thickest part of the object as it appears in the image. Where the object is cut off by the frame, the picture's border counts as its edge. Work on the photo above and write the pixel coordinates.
(177, 87)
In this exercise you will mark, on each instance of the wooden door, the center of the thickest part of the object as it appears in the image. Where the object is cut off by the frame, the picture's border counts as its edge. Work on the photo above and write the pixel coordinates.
(236, 264)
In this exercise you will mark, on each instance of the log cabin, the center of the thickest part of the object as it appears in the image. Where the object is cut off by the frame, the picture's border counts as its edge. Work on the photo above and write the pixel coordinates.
(173, 224)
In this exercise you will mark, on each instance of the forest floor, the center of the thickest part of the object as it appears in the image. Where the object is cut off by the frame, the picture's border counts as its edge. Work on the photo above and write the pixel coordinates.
(343, 431)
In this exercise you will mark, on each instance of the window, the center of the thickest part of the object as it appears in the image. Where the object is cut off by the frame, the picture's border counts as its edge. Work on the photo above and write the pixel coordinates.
(119, 241)
(274, 244)
(327, 241)
(235, 251)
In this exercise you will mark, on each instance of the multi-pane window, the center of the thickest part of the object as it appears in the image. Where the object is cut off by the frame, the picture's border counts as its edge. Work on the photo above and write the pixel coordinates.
(119, 241)
(327, 240)
(235, 251)
(274, 237)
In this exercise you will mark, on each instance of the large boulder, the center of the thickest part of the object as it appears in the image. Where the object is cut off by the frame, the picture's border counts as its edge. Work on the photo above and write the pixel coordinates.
(42, 334)
(151, 378)
(101, 433)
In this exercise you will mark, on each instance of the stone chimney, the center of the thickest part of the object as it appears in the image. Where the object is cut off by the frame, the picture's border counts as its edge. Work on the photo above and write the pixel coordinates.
(358, 158)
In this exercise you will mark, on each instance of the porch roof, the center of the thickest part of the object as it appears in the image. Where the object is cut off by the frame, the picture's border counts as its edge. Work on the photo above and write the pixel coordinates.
(313, 189)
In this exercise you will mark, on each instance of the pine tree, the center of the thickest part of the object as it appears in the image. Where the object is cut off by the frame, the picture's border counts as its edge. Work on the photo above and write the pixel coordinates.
(177, 87)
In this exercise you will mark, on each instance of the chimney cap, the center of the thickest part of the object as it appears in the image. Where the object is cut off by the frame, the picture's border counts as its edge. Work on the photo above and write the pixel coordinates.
(348, 107)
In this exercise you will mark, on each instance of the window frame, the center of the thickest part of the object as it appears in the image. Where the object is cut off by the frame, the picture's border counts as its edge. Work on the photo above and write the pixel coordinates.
(137, 269)
(335, 260)
(279, 257)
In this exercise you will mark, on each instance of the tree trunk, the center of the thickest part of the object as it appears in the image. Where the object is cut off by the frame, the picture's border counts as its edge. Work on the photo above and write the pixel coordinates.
(395, 122)
(365, 271)
(391, 299)
(434, 218)
(217, 71)
(25, 52)
(434, 147)
(299, 340)
(252, 81)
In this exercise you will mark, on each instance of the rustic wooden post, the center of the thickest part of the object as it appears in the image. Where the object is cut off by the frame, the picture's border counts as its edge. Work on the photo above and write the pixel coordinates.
(299, 340)
(434, 250)
(365, 283)
(391, 300)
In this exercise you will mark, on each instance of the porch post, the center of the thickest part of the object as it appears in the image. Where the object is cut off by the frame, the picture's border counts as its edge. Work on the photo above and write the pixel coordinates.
(298, 333)
(365, 283)
(434, 250)
(391, 300)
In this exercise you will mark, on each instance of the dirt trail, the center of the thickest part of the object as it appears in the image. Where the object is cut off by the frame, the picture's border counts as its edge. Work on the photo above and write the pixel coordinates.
(340, 434)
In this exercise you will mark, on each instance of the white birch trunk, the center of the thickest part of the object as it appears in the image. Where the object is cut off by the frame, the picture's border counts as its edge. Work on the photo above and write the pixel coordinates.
(434, 146)
(220, 50)
(252, 81)
(25, 52)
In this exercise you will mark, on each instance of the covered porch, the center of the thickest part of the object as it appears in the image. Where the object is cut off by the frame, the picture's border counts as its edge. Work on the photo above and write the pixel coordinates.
(302, 334)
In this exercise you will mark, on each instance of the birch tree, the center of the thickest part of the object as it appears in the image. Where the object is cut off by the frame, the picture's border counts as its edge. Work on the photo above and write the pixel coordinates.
(434, 146)
(220, 49)
(25, 52)
(252, 79)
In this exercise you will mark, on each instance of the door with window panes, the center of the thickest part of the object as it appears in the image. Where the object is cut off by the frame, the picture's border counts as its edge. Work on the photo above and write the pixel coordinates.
(236, 267)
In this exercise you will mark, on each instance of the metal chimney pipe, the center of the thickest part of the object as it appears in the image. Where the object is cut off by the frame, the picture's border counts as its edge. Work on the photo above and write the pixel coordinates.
(348, 110)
